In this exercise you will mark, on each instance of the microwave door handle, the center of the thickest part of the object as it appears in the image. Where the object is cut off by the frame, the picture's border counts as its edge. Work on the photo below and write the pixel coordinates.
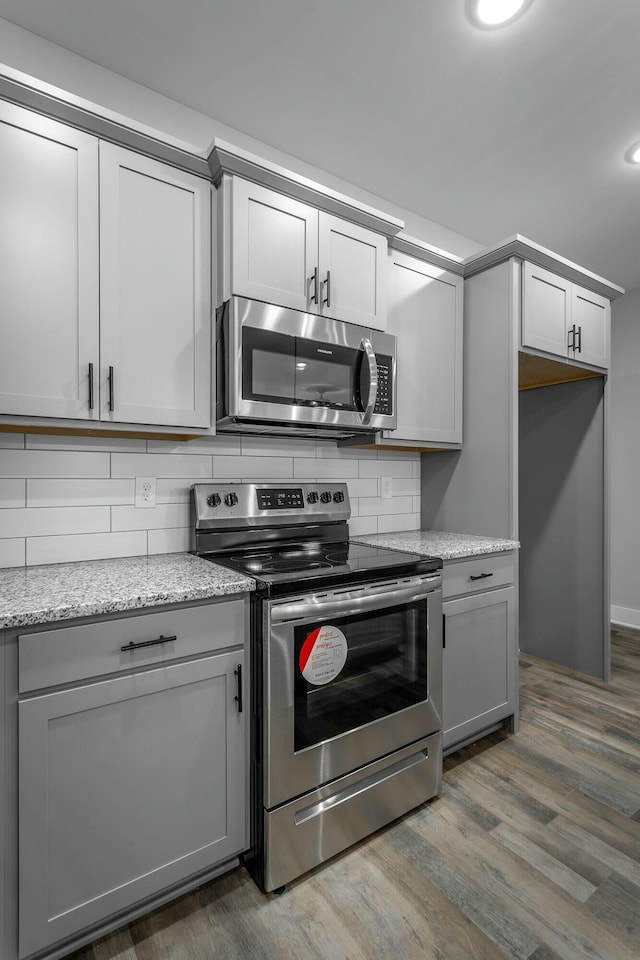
(373, 381)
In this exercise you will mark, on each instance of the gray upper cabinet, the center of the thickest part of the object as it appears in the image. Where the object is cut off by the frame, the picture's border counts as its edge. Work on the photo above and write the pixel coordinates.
(425, 314)
(154, 292)
(49, 263)
(564, 319)
(105, 298)
(289, 253)
(133, 782)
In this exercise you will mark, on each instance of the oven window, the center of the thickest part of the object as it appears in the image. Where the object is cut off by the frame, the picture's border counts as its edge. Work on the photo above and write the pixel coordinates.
(277, 368)
(358, 669)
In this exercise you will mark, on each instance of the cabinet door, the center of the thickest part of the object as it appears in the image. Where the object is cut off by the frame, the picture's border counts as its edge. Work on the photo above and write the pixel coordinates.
(154, 292)
(425, 314)
(591, 315)
(48, 266)
(126, 787)
(353, 263)
(479, 663)
(546, 310)
(274, 247)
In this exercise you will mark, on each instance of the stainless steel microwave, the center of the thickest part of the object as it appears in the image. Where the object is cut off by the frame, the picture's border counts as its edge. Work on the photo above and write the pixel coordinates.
(281, 372)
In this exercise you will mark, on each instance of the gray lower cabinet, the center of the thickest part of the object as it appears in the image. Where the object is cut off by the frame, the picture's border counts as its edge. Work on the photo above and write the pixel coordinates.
(129, 785)
(480, 660)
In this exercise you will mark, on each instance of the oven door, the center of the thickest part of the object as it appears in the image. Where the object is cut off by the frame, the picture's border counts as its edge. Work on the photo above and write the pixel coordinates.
(297, 369)
(350, 676)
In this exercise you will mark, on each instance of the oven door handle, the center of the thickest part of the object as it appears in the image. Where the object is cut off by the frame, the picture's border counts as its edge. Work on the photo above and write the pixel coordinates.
(355, 602)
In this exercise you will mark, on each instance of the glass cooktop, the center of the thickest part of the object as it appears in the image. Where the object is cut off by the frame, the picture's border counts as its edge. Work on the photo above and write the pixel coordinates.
(303, 565)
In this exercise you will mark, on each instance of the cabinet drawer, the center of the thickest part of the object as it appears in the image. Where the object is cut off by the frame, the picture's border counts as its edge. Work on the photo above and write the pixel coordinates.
(478, 574)
(67, 654)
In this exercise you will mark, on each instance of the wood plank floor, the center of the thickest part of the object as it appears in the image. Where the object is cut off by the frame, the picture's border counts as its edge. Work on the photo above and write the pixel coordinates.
(531, 852)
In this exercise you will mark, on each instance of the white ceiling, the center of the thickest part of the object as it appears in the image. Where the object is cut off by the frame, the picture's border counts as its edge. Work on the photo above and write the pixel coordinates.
(489, 133)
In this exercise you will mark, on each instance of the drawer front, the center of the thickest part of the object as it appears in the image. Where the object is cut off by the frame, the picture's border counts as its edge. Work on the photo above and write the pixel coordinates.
(478, 574)
(68, 654)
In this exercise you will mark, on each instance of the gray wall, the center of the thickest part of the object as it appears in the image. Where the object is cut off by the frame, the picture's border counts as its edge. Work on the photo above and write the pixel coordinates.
(562, 525)
(625, 460)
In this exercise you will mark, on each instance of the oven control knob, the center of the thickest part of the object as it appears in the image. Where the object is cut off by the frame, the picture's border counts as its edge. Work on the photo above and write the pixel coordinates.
(313, 497)
(325, 496)
(214, 500)
(338, 497)
(231, 499)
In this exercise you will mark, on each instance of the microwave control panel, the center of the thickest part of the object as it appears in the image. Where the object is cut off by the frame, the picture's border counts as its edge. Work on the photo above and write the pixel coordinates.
(384, 397)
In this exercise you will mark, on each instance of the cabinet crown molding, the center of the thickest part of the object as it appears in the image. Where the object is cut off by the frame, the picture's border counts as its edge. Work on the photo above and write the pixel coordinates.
(228, 159)
(525, 249)
(427, 252)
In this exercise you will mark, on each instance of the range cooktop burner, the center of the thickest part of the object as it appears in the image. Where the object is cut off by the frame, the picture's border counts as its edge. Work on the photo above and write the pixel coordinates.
(284, 568)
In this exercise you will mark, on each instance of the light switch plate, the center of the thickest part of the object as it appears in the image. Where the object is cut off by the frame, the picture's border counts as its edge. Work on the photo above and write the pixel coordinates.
(387, 488)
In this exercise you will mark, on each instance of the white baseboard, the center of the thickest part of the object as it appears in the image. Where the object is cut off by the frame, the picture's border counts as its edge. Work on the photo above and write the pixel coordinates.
(625, 617)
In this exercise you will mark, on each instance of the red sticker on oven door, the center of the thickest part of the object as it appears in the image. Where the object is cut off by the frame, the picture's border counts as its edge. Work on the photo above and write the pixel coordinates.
(323, 655)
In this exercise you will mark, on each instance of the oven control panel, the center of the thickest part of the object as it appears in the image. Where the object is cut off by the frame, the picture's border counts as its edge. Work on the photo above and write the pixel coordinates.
(239, 504)
(280, 498)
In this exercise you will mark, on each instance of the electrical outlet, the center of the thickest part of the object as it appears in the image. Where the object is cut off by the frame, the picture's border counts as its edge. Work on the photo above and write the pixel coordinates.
(145, 492)
(387, 488)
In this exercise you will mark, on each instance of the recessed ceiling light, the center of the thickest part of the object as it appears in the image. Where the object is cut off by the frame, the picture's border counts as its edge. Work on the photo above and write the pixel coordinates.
(495, 13)
(633, 153)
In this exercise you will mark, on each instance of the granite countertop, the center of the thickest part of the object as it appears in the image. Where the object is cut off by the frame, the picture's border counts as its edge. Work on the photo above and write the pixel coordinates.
(437, 543)
(63, 591)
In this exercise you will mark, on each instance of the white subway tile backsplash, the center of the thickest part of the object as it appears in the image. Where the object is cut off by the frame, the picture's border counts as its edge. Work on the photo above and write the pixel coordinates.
(406, 487)
(374, 506)
(176, 490)
(207, 445)
(227, 445)
(359, 526)
(332, 451)
(12, 493)
(393, 455)
(53, 463)
(314, 469)
(174, 540)
(12, 552)
(386, 468)
(96, 546)
(53, 521)
(71, 498)
(403, 521)
(11, 441)
(161, 465)
(252, 468)
(37, 441)
(277, 447)
(363, 488)
(60, 493)
(153, 518)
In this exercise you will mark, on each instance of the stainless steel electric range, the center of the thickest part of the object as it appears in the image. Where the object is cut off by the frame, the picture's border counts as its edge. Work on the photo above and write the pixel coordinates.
(346, 670)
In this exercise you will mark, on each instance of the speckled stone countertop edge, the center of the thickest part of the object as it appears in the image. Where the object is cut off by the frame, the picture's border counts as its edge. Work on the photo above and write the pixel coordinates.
(55, 593)
(439, 543)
